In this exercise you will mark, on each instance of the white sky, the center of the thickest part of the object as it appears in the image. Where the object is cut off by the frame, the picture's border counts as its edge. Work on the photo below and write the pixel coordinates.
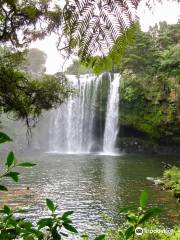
(167, 11)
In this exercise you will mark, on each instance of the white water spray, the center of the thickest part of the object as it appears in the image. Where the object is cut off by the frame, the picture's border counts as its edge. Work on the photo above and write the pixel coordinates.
(71, 129)
(72, 124)
(112, 116)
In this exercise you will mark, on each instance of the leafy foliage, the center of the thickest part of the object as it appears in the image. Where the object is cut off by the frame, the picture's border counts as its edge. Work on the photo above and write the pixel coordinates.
(134, 218)
(152, 229)
(23, 96)
(171, 179)
(138, 218)
(94, 26)
(150, 90)
(26, 96)
(10, 164)
(34, 19)
(104, 63)
(4, 138)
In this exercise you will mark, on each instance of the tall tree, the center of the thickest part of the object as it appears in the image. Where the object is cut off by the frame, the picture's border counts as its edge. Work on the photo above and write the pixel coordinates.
(25, 96)
(23, 21)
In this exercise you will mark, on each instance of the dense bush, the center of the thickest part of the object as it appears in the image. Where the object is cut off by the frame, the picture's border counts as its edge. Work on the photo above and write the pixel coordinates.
(171, 180)
(150, 89)
(25, 96)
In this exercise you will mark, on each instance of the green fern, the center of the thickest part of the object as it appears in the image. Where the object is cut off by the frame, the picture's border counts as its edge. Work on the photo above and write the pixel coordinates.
(100, 64)
(92, 27)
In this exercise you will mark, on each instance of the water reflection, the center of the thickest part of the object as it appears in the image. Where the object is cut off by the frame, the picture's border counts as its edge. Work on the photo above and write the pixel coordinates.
(90, 185)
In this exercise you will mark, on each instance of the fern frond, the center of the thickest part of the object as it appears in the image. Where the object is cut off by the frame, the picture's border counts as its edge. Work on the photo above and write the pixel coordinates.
(93, 26)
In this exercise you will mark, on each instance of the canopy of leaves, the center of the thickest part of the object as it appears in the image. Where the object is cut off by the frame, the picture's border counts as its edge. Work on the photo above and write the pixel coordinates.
(101, 64)
(22, 21)
(25, 96)
(150, 83)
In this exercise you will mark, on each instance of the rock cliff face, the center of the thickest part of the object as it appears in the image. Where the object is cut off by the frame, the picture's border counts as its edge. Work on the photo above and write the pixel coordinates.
(137, 145)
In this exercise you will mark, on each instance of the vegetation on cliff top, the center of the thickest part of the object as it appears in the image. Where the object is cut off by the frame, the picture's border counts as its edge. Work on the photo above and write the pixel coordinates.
(150, 83)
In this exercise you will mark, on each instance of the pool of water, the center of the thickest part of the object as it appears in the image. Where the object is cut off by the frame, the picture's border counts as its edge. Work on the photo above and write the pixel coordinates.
(90, 185)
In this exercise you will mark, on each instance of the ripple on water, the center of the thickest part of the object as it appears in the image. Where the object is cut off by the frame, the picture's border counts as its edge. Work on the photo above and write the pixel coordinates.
(89, 185)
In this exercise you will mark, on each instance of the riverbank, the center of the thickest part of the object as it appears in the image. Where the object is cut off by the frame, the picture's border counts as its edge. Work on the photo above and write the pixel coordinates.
(171, 181)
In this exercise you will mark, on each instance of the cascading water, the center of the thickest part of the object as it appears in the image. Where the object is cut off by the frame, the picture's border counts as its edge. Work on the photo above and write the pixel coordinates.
(71, 129)
(72, 125)
(112, 113)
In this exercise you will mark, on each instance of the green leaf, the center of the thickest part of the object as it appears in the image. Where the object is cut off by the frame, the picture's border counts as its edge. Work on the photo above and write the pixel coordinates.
(30, 11)
(148, 214)
(100, 237)
(10, 159)
(12, 222)
(143, 199)
(45, 222)
(121, 234)
(7, 210)
(125, 210)
(55, 234)
(11, 2)
(70, 228)
(132, 218)
(129, 232)
(85, 236)
(3, 188)
(26, 225)
(50, 205)
(26, 164)
(66, 214)
(32, 234)
(13, 175)
(4, 138)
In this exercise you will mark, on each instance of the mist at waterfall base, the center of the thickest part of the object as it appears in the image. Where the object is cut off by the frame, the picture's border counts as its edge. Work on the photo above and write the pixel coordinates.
(74, 125)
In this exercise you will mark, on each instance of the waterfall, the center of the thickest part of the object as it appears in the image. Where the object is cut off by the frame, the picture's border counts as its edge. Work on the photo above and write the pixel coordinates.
(71, 126)
(112, 116)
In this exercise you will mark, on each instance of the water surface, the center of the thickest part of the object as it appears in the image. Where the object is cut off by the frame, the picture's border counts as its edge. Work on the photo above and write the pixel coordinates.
(90, 185)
